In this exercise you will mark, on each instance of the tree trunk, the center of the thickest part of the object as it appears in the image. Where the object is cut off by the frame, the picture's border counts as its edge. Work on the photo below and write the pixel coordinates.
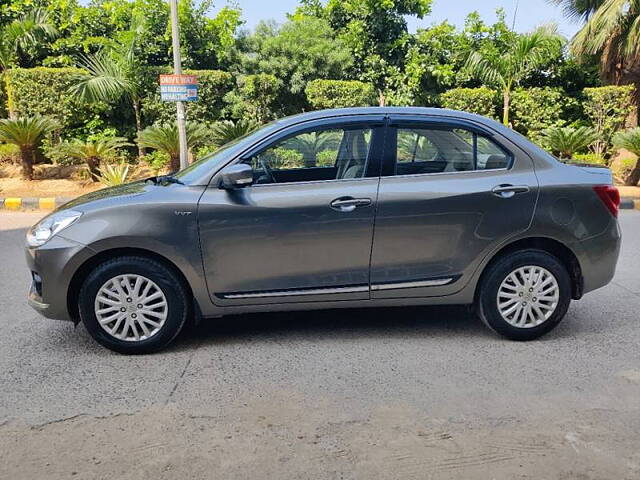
(506, 106)
(634, 177)
(94, 168)
(142, 151)
(27, 162)
(382, 100)
(175, 163)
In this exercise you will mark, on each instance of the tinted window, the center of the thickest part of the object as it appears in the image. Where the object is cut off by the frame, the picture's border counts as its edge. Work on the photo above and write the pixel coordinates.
(327, 154)
(438, 150)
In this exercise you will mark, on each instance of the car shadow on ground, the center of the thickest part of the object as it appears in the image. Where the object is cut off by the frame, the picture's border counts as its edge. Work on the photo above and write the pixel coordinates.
(316, 325)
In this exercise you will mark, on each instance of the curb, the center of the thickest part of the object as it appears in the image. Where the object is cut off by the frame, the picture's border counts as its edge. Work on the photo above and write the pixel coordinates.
(30, 203)
(51, 203)
(629, 204)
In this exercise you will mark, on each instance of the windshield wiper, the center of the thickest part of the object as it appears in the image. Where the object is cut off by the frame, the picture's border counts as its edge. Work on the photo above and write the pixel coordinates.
(165, 179)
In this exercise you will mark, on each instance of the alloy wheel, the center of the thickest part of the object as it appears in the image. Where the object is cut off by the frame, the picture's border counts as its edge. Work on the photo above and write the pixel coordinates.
(528, 296)
(131, 307)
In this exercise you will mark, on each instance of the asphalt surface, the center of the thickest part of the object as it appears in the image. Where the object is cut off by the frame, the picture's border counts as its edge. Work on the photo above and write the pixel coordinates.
(393, 393)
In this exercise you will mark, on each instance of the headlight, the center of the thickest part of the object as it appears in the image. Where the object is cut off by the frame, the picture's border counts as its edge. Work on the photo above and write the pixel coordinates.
(41, 232)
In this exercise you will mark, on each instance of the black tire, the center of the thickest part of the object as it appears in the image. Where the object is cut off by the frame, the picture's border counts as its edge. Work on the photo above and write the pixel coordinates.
(499, 270)
(168, 281)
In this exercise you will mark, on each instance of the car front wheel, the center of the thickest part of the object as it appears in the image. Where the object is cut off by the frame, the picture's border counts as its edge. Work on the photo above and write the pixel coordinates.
(133, 305)
(525, 294)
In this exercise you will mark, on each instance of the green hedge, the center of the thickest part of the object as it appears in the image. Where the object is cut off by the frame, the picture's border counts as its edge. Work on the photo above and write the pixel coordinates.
(339, 94)
(473, 100)
(211, 106)
(45, 91)
(536, 109)
(607, 109)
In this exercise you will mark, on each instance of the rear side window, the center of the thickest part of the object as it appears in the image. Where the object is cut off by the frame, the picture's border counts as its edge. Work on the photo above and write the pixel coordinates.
(446, 150)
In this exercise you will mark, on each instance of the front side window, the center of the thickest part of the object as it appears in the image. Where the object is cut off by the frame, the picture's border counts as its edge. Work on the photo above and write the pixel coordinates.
(438, 150)
(327, 154)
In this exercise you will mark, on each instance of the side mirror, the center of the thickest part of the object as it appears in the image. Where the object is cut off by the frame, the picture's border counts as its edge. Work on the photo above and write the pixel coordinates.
(236, 176)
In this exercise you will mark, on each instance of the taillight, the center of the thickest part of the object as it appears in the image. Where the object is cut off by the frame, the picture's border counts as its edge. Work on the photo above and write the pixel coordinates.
(610, 196)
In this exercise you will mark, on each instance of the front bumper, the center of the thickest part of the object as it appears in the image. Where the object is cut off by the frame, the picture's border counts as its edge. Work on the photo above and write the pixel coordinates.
(52, 267)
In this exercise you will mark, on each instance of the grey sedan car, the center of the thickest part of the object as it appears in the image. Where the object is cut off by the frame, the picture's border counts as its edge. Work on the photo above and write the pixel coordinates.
(360, 207)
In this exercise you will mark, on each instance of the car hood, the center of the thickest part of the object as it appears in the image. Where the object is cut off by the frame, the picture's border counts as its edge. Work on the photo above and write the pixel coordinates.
(108, 196)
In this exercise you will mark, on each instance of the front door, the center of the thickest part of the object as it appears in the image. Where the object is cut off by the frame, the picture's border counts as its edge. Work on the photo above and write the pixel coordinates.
(449, 194)
(303, 231)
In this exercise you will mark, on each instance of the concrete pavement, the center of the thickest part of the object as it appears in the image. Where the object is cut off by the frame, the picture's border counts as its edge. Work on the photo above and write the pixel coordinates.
(394, 393)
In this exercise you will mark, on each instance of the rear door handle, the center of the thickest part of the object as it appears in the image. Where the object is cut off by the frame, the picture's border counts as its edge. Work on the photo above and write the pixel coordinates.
(349, 204)
(508, 191)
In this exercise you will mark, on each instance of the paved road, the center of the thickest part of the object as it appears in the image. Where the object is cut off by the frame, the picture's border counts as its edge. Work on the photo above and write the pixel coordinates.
(395, 393)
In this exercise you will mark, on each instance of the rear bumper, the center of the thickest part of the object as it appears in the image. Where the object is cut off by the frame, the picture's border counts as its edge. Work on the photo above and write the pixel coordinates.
(598, 257)
(52, 268)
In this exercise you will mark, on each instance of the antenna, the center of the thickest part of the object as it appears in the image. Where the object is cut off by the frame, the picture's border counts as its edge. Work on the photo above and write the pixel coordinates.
(515, 14)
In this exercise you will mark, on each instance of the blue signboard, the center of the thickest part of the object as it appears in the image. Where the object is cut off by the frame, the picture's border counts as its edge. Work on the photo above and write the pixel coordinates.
(179, 93)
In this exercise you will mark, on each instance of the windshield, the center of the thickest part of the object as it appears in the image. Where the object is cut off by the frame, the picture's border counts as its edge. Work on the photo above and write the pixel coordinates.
(209, 164)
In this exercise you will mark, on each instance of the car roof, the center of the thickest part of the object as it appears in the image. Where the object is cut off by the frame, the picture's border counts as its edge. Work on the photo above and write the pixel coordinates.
(339, 112)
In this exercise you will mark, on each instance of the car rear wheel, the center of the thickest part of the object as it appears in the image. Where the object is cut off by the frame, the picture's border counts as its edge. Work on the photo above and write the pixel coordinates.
(525, 294)
(133, 305)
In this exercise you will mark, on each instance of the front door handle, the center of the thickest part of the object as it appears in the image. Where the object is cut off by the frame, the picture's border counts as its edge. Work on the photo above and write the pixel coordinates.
(508, 191)
(349, 204)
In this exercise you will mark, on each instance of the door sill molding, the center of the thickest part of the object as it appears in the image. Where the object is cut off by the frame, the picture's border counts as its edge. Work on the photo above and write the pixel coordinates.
(294, 293)
(435, 282)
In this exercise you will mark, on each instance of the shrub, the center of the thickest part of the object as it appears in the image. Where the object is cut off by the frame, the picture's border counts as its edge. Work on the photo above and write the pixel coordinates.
(255, 97)
(565, 141)
(27, 134)
(226, 131)
(92, 152)
(607, 109)
(473, 100)
(165, 138)
(211, 106)
(339, 94)
(45, 92)
(591, 157)
(9, 153)
(112, 175)
(630, 140)
(536, 109)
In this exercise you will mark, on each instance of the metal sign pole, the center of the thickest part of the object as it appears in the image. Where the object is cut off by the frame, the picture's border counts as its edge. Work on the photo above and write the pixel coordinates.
(177, 69)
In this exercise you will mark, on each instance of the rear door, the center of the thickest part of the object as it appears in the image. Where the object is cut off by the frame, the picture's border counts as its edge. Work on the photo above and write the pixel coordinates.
(450, 191)
(303, 231)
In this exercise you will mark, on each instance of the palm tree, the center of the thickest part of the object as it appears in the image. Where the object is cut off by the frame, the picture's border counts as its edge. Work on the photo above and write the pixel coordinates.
(612, 33)
(110, 75)
(567, 141)
(529, 52)
(165, 138)
(92, 152)
(630, 140)
(227, 131)
(31, 30)
(27, 133)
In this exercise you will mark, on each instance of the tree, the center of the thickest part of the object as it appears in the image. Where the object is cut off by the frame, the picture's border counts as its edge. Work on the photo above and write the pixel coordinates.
(27, 134)
(165, 138)
(301, 50)
(111, 75)
(507, 70)
(611, 33)
(375, 32)
(29, 32)
(630, 140)
(565, 141)
(92, 152)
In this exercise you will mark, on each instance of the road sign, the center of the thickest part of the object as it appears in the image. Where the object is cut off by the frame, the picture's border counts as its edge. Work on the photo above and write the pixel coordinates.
(178, 88)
